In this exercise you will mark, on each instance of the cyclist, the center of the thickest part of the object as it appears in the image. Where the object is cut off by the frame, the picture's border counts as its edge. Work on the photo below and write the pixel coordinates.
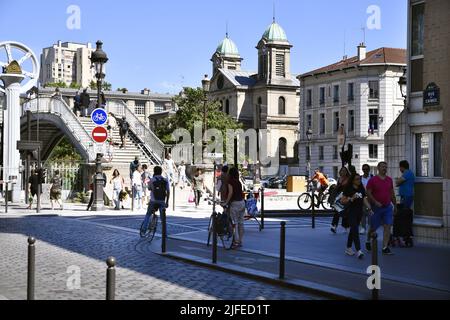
(321, 181)
(159, 197)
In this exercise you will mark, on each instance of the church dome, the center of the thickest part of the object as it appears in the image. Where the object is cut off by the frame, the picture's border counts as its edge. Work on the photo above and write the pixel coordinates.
(275, 33)
(227, 48)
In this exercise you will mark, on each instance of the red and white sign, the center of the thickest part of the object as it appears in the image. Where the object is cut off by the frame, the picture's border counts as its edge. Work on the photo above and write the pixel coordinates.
(99, 134)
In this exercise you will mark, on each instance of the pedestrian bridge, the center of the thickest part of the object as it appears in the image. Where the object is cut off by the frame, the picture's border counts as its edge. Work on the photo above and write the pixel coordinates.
(52, 119)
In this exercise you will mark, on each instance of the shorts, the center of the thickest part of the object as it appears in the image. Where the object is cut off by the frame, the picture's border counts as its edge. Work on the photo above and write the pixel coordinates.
(55, 194)
(237, 211)
(382, 216)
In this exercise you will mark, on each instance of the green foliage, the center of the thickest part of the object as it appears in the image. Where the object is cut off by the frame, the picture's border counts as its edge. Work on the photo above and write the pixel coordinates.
(191, 109)
(65, 152)
(75, 85)
(124, 90)
(106, 86)
(59, 84)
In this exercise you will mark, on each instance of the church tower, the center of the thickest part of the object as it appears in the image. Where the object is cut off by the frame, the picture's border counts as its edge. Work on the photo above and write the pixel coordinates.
(226, 56)
(274, 51)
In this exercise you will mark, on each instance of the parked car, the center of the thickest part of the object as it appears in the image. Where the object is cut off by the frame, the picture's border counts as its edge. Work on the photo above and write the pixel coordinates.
(278, 182)
(266, 181)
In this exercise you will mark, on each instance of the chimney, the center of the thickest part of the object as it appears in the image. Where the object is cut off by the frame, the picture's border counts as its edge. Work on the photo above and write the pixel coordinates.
(145, 91)
(361, 51)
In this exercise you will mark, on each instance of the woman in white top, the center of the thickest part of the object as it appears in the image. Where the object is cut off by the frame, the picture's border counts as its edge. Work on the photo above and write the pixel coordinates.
(182, 173)
(118, 183)
(111, 126)
(137, 186)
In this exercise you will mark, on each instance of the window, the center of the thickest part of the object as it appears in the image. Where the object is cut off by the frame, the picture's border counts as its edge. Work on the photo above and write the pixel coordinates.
(336, 122)
(279, 65)
(227, 106)
(373, 89)
(282, 148)
(351, 120)
(320, 152)
(322, 123)
(335, 153)
(417, 75)
(159, 107)
(335, 172)
(322, 95)
(309, 121)
(336, 94)
(417, 31)
(281, 105)
(308, 154)
(139, 107)
(308, 98)
(373, 119)
(429, 154)
(350, 92)
(373, 151)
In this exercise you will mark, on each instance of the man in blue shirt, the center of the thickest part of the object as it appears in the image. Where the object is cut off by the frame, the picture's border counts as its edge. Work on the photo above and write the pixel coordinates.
(159, 197)
(406, 185)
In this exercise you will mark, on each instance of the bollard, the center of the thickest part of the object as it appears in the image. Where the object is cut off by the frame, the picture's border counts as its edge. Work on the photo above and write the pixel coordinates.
(313, 211)
(262, 208)
(163, 231)
(374, 260)
(111, 279)
(214, 244)
(133, 194)
(31, 270)
(282, 248)
(6, 198)
(173, 197)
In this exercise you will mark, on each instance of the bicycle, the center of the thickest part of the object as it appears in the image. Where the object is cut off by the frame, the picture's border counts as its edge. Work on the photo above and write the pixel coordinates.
(224, 226)
(149, 233)
(304, 201)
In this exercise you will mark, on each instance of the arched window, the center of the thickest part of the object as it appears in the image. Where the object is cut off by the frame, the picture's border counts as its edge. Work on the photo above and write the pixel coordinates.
(282, 147)
(281, 106)
(227, 106)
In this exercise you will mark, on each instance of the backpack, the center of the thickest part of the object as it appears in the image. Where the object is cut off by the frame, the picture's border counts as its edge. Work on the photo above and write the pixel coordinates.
(333, 192)
(125, 126)
(222, 224)
(159, 189)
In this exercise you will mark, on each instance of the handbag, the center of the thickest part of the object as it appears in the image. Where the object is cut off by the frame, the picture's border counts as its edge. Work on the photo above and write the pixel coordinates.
(191, 198)
(337, 205)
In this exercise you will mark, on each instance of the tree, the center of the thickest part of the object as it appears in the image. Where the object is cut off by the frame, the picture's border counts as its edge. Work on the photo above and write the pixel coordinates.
(75, 85)
(65, 152)
(106, 86)
(124, 90)
(60, 84)
(190, 110)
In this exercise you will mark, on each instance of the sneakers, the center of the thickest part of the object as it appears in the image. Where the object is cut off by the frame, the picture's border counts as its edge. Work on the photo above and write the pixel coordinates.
(387, 251)
(360, 254)
(349, 252)
(333, 229)
(368, 246)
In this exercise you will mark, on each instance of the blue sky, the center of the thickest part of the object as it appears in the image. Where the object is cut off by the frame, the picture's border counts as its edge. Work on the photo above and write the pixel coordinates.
(164, 45)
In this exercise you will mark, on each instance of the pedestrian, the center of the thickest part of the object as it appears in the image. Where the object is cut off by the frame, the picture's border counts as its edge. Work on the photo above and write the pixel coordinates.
(235, 202)
(102, 102)
(170, 167)
(354, 197)
(85, 102)
(160, 195)
(137, 188)
(198, 185)
(405, 185)
(182, 174)
(118, 182)
(134, 165)
(33, 185)
(124, 126)
(111, 126)
(366, 175)
(343, 181)
(146, 178)
(55, 190)
(222, 183)
(77, 104)
(380, 191)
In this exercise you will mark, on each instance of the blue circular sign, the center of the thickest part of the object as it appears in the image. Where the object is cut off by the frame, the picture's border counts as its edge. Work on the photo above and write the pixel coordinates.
(99, 116)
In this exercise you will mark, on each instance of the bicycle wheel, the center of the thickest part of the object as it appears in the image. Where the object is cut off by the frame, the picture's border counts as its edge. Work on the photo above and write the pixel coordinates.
(210, 230)
(152, 227)
(228, 238)
(304, 201)
(325, 203)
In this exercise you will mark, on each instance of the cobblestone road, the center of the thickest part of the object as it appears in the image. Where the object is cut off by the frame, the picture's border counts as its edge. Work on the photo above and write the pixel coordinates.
(64, 242)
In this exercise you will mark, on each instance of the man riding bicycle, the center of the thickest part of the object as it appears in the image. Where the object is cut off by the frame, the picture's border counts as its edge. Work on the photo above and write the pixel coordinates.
(159, 197)
(320, 181)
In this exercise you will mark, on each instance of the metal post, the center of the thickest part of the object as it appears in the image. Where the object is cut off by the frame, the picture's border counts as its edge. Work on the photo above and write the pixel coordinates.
(173, 196)
(282, 248)
(98, 202)
(6, 197)
(31, 269)
(374, 260)
(262, 208)
(39, 190)
(214, 246)
(163, 231)
(28, 160)
(111, 279)
(313, 210)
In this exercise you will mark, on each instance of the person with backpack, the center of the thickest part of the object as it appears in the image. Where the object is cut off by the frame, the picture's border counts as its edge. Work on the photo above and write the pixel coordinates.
(159, 197)
(55, 189)
(134, 165)
(124, 126)
(85, 100)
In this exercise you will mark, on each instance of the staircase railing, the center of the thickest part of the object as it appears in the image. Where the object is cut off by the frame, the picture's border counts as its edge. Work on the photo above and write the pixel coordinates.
(149, 141)
(59, 107)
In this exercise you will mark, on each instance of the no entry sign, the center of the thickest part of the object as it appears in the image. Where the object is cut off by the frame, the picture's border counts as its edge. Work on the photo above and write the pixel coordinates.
(99, 134)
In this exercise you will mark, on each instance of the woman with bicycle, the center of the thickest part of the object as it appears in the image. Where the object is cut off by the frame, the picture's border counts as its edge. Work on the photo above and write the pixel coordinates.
(235, 202)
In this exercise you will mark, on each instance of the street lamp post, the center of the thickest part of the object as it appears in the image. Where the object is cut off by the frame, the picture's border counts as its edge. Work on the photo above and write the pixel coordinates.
(402, 83)
(206, 83)
(98, 59)
(309, 134)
